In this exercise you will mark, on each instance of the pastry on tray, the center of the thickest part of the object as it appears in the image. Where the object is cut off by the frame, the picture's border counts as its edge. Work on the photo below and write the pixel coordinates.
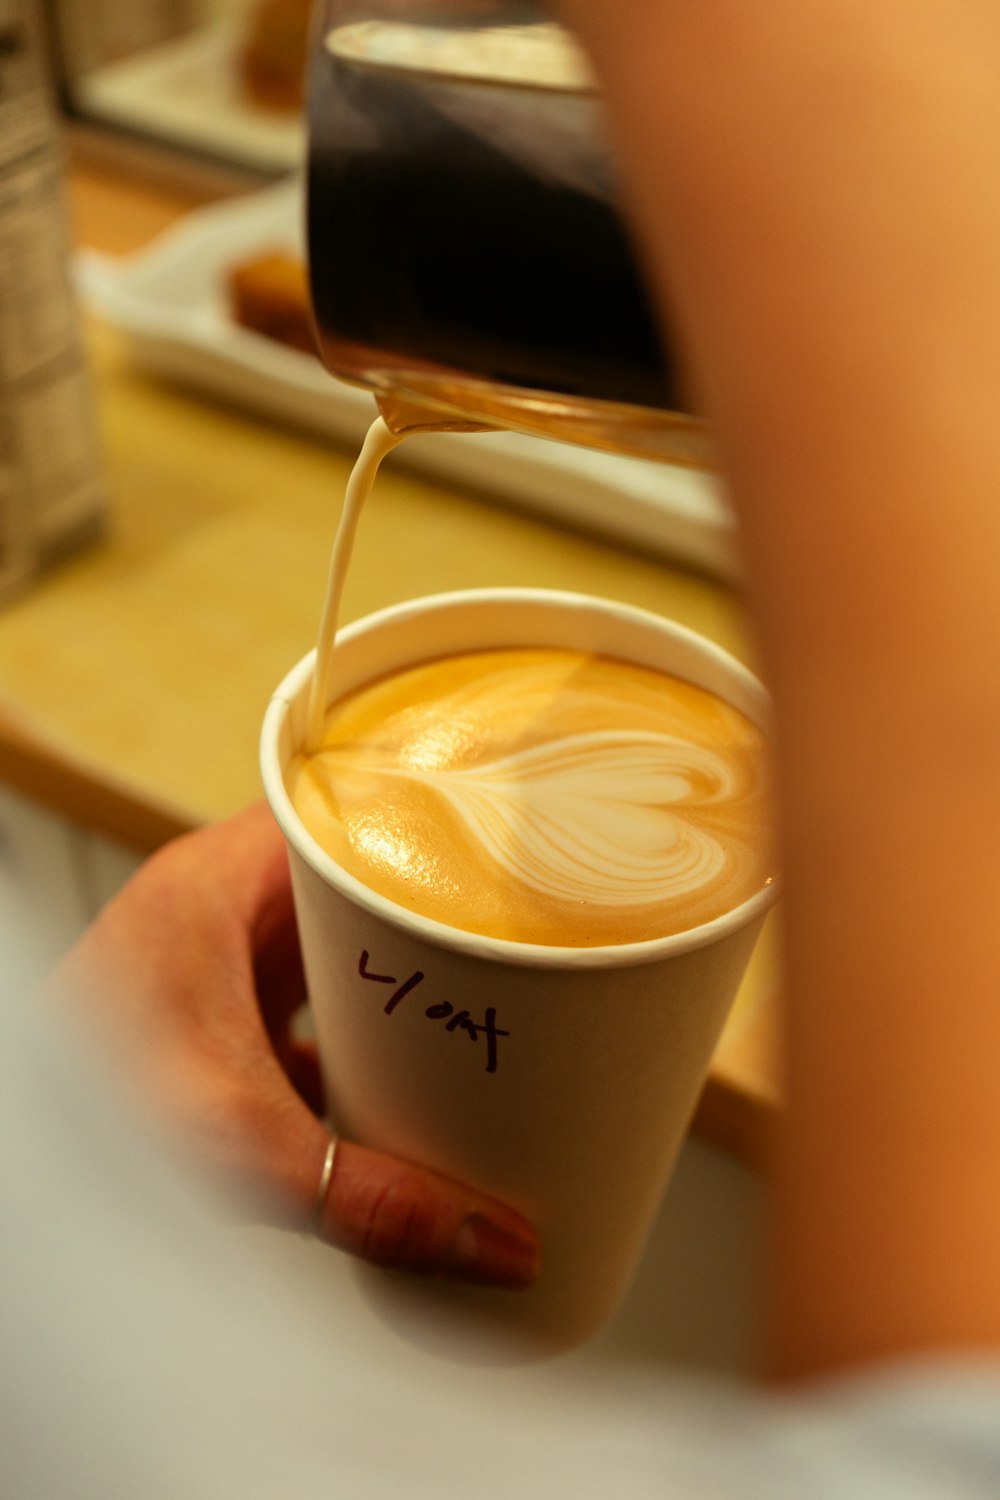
(270, 295)
(271, 63)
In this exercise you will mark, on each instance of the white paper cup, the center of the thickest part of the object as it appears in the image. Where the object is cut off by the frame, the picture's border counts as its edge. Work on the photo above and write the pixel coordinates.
(572, 1100)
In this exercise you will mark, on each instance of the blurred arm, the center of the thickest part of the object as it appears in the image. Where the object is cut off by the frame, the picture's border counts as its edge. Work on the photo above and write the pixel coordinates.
(817, 193)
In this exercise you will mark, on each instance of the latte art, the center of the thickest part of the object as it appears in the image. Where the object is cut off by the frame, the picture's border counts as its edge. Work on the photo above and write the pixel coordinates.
(593, 817)
(545, 796)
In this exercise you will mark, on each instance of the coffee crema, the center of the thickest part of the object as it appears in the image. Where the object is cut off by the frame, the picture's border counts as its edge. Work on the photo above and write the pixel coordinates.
(542, 796)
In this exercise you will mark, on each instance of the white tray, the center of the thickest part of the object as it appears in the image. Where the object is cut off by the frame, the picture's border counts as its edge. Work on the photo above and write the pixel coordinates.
(188, 92)
(169, 302)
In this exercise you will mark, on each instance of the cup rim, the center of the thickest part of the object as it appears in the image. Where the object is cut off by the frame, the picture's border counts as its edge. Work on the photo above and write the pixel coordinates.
(456, 939)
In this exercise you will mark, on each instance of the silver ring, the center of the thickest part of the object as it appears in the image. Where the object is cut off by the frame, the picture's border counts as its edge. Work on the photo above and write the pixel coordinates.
(322, 1187)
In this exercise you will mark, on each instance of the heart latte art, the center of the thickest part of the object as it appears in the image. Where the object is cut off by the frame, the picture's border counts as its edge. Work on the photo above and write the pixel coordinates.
(543, 796)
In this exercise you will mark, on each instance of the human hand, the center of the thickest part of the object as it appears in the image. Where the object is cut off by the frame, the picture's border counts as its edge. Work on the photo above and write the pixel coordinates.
(194, 972)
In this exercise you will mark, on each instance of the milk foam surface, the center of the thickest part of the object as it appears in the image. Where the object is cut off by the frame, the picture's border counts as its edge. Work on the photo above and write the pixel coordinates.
(543, 796)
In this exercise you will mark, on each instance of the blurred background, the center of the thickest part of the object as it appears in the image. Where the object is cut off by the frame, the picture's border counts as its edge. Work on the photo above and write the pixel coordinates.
(220, 78)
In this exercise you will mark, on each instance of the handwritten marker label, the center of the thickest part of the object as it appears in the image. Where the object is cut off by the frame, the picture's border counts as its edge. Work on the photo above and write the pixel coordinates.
(441, 1010)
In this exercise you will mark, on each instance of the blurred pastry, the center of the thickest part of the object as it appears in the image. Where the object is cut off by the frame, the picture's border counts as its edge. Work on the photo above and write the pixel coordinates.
(272, 60)
(270, 294)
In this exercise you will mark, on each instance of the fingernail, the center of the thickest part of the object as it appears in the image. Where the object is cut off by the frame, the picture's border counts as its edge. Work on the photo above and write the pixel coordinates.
(491, 1255)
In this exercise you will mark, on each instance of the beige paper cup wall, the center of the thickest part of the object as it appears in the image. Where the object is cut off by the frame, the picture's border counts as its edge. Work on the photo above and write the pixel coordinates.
(569, 1094)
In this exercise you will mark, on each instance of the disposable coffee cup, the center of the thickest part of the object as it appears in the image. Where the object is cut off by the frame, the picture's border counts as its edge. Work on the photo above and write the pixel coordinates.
(567, 1089)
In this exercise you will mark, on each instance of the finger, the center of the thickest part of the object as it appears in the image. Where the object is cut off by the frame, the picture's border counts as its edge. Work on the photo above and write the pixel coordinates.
(385, 1210)
(239, 865)
(279, 984)
(238, 870)
(393, 1213)
(301, 1063)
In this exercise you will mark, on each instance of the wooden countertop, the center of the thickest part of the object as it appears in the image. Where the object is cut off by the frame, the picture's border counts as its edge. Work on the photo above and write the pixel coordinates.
(134, 676)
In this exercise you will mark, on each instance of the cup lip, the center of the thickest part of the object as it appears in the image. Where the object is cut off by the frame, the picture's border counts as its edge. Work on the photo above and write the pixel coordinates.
(456, 939)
